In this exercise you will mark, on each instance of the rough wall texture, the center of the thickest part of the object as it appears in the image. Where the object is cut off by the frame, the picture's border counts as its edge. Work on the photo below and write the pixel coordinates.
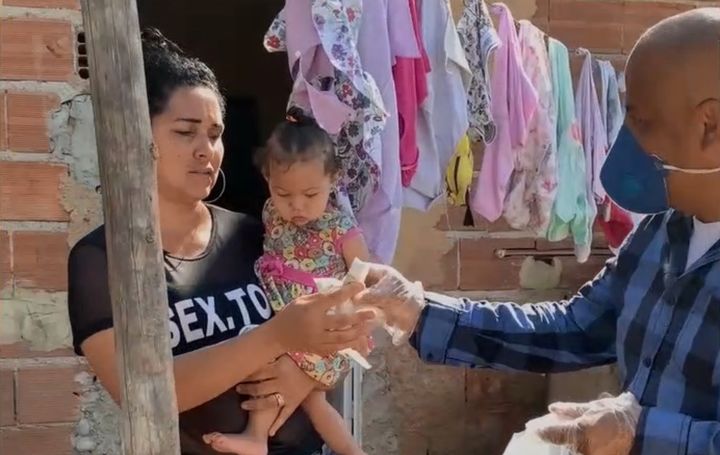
(46, 200)
(49, 405)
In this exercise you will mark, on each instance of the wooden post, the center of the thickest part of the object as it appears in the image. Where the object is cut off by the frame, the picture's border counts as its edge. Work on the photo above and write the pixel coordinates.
(135, 264)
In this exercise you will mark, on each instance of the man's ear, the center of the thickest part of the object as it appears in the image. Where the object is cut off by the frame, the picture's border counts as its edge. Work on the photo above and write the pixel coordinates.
(710, 117)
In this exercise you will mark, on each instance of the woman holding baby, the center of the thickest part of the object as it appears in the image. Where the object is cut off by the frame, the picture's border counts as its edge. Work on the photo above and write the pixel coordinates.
(223, 328)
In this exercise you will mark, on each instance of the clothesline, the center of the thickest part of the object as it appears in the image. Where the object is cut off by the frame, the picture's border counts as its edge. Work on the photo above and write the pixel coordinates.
(574, 51)
(540, 171)
(403, 89)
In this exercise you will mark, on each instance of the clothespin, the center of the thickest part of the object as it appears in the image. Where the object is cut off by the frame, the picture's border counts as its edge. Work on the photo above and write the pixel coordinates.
(581, 52)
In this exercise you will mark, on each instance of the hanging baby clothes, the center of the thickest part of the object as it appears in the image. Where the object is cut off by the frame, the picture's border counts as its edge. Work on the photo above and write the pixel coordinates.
(569, 214)
(321, 38)
(410, 75)
(534, 180)
(479, 39)
(594, 140)
(460, 173)
(514, 102)
(615, 222)
(459, 176)
(386, 37)
(442, 119)
(610, 104)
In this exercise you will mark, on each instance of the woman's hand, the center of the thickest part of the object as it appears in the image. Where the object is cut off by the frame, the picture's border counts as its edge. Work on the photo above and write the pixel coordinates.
(305, 326)
(281, 385)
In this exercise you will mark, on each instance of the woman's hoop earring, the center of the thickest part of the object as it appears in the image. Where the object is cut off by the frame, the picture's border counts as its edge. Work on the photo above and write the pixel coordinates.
(222, 191)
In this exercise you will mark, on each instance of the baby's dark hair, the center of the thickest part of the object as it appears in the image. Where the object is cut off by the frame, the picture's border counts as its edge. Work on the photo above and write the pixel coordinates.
(298, 138)
(167, 69)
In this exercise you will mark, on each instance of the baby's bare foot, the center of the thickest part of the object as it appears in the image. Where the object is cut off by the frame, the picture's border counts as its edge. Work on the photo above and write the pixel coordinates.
(236, 443)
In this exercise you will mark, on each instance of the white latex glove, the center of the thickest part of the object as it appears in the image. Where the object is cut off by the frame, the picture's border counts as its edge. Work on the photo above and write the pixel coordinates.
(398, 300)
(357, 273)
(602, 427)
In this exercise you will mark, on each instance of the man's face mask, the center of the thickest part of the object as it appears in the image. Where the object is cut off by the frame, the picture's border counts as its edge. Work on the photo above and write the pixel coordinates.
(636, 180)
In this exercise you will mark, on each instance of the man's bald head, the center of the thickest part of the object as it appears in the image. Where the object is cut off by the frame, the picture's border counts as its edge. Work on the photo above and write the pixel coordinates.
(697, 27)
(685, 49)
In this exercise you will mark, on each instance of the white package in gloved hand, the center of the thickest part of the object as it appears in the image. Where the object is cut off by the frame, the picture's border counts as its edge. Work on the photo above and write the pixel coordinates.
(528, 441)
(357, 273)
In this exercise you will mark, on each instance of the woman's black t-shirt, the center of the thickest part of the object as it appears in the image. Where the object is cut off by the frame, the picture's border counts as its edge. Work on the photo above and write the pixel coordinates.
(212, 298)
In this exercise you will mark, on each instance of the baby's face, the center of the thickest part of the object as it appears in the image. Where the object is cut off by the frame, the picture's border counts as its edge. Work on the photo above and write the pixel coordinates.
(300, 192)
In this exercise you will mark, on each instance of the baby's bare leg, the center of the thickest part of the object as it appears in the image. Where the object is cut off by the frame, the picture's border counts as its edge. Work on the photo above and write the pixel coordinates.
(253, 441)
(330, 425)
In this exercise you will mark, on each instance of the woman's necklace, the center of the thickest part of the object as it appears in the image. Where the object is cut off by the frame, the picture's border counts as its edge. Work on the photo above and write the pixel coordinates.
(181, 258)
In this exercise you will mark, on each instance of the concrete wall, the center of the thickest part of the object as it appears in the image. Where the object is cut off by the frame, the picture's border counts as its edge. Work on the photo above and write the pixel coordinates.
(48, 200)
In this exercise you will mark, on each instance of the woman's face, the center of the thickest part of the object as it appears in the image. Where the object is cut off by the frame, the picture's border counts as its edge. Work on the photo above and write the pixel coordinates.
(188, 135)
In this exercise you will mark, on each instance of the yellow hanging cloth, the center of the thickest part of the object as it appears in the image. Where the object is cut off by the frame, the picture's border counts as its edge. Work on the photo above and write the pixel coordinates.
(459, 175)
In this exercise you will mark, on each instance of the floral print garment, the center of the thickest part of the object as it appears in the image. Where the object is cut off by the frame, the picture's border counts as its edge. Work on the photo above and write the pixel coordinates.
(479, 39)
(330, 33)
(534, 181)
(293, 256)
(514, 103)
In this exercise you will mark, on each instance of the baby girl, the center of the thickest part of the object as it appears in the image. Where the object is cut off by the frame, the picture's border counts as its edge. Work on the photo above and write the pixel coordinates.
(307, 236)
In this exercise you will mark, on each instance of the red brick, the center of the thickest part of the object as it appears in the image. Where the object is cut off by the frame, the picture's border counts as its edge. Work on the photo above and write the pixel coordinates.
(36, 49)
(40, 260)
(436, 269)
(597, 37)
(648, 14)
(486, 248)
(27, 121)
(63, 4)
(50, 440)
(456, 217)
(641, 16)
(3, 122)
(490, 274)
(7, 398)
(47, 395)
(542, 13)
(5, 261)
(23, 350)
(31, 191)
(575, 274)
(481, 269)
(586, 12)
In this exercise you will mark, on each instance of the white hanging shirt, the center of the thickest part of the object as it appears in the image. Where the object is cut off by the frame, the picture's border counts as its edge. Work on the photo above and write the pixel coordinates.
(704, 236)
(443, 117)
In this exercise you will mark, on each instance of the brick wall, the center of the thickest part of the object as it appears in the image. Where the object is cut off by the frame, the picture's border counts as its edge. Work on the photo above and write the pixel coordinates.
(43, 209)
(38, 405)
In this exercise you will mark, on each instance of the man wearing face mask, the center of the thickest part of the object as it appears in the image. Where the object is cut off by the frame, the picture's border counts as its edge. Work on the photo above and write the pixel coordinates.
(655, 308)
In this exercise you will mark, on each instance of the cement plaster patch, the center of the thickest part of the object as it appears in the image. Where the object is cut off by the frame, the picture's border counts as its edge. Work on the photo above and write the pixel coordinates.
(38, 318)
(72, 137)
